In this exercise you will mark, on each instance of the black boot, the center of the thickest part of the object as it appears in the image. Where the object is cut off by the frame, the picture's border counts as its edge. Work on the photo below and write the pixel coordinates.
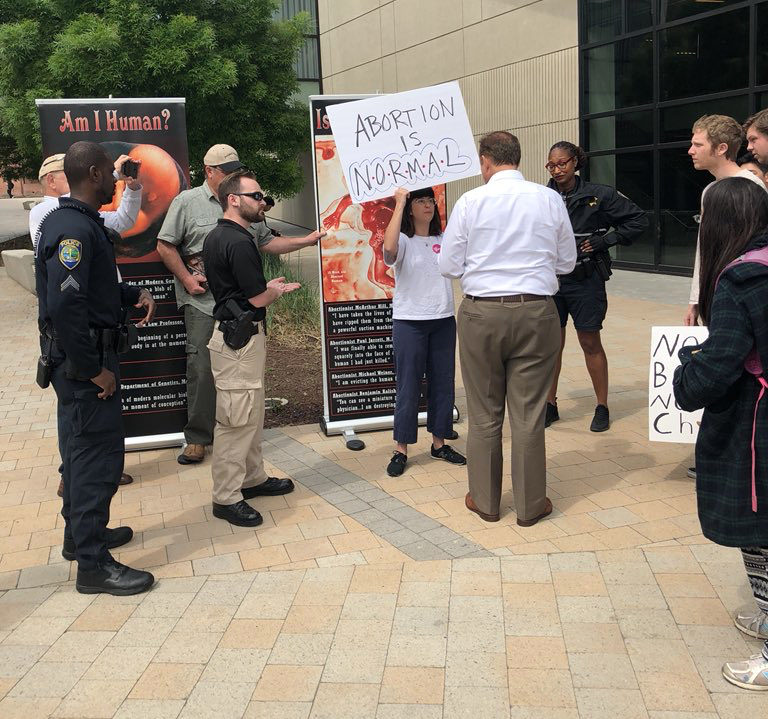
(116, 537)
(552, 414)
(272, 487)
(240, 514)
(111, 577)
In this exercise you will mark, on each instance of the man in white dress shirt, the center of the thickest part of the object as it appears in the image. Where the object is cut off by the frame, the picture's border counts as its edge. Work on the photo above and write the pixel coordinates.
(55, 185)
(508, 241)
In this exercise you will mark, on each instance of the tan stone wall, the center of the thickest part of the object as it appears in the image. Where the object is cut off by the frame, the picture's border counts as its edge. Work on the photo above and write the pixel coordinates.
(516, 62)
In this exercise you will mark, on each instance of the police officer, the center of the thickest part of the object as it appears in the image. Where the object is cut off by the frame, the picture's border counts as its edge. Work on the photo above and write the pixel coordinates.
(80, 315)
(601, 218)
(238, 351)
(191, 216)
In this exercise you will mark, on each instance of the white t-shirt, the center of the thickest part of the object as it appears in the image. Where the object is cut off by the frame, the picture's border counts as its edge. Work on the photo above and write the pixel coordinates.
(421, 292)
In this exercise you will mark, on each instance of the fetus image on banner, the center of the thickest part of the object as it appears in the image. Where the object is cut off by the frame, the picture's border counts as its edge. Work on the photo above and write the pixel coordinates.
(352, 257)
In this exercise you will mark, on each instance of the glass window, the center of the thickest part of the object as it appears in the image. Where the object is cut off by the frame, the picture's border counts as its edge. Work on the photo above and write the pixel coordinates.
(761, 48)
(676, 122)
(677, 9)
(639, 14)
(705, 56)
(618, 75)
(632, 174)
(625, 130)
(602, 19)
(680, 194)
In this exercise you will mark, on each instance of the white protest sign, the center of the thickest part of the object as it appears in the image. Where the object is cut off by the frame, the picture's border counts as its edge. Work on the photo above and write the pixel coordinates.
(666, 421)
(412, 139)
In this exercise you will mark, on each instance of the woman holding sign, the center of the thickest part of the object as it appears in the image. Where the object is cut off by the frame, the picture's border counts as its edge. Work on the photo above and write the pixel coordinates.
(725, 376)
(423, 326)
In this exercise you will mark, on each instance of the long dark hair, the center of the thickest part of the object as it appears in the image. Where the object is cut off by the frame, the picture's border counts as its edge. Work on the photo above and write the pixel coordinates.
(406, 225)
(574, 150)
(734, 211)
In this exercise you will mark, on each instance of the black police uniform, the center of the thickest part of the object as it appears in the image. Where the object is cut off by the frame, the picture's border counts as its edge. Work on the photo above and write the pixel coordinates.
(80, 312)
(593, 209)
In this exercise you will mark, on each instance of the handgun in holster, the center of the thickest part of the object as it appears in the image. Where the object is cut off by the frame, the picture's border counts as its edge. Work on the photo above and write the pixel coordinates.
(238, 330)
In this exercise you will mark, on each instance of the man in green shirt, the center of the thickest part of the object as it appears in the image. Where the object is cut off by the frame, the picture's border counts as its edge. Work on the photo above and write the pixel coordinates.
(191, 216)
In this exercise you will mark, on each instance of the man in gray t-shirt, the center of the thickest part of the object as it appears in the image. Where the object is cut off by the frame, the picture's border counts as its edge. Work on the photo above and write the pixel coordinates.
(191, 216)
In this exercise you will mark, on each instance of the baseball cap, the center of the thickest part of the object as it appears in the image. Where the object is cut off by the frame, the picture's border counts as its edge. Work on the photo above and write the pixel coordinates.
(224, 157)
(54, 163)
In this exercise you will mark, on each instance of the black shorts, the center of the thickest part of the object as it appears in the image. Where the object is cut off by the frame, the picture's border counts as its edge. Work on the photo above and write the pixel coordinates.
(584, 300)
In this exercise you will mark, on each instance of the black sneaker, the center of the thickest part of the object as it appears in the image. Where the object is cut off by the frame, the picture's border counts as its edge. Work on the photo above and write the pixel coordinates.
(552, 414)
(241, 514)
(397, 464)
(449, 454)
(601, 421)
(691, 472)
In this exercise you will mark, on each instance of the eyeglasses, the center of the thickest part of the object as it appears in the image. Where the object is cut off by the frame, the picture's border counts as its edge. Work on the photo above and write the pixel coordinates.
(430, 201)
(559, 165)
(258, 196)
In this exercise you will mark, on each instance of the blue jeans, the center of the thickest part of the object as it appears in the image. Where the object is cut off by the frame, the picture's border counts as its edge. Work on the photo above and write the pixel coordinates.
(424, 347)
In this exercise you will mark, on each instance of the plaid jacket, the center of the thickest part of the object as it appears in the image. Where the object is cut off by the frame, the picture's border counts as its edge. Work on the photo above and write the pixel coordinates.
(715, 379)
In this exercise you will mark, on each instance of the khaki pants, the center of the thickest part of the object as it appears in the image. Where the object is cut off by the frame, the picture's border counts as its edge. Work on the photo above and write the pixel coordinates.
(201, 394)
(507, 352)
(239, 379)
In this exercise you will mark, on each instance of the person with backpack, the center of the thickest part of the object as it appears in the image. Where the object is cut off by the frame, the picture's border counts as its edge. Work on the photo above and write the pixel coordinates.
(724, 375)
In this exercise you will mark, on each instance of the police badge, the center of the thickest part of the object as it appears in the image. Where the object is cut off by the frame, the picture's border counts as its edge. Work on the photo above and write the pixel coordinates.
(70, 253)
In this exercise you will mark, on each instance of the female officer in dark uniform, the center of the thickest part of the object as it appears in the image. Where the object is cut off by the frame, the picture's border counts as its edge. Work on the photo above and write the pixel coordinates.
(601, 218)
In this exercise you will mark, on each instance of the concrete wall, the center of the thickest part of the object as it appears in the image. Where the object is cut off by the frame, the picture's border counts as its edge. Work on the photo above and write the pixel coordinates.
(516, 62)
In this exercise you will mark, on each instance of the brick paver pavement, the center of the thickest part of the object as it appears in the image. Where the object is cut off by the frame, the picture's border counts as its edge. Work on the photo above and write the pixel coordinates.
(367, 596)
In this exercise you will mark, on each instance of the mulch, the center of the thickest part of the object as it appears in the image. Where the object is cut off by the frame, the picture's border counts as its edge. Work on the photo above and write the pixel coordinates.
(294, 373)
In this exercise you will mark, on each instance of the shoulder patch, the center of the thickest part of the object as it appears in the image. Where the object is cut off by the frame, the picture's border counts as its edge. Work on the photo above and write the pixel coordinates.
(70, 253)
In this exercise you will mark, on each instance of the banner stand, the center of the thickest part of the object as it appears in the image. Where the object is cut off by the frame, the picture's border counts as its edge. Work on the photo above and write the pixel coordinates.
(374, 424)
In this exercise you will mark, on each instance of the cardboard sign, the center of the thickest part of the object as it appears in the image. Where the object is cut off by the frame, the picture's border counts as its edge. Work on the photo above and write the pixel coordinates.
(666, 421)
(412, 139)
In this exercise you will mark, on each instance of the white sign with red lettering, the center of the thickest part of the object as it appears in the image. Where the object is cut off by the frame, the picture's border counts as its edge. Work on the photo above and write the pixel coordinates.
(412, 139)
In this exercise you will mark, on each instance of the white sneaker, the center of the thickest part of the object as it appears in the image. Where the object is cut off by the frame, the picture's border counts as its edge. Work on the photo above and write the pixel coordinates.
(753, 621)
(751, 674)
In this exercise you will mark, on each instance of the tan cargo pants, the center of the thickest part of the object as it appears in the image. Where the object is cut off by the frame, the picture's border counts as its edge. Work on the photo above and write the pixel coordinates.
(239, 379)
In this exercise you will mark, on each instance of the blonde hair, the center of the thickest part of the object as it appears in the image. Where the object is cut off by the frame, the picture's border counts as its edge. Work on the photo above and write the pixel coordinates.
(722, 129)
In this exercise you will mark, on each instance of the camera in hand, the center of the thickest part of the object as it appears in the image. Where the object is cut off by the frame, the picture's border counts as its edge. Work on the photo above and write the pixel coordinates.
(130, 169)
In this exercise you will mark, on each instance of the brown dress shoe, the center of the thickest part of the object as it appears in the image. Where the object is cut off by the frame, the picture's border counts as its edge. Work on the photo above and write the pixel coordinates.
(472, 507)
(60, 490)
(530, 522)
(125, 478)
(192, 454)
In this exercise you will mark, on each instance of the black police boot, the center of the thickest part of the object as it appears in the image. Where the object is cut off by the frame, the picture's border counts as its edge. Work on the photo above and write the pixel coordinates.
(552, 414)
(601, 421)
(116, 537)
(272, 487)
(111, 577)
(240, 514)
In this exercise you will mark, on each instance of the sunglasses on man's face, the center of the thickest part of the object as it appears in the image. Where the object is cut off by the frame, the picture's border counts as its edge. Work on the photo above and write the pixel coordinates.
(258, 196)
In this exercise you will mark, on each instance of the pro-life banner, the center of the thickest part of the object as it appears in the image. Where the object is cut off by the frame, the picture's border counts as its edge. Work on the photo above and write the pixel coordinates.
(411, 139)
(357, 288)
(153, 130)
(666, 421)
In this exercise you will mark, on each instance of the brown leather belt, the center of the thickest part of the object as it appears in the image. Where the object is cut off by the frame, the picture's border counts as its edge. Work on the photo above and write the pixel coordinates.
(507, 298)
